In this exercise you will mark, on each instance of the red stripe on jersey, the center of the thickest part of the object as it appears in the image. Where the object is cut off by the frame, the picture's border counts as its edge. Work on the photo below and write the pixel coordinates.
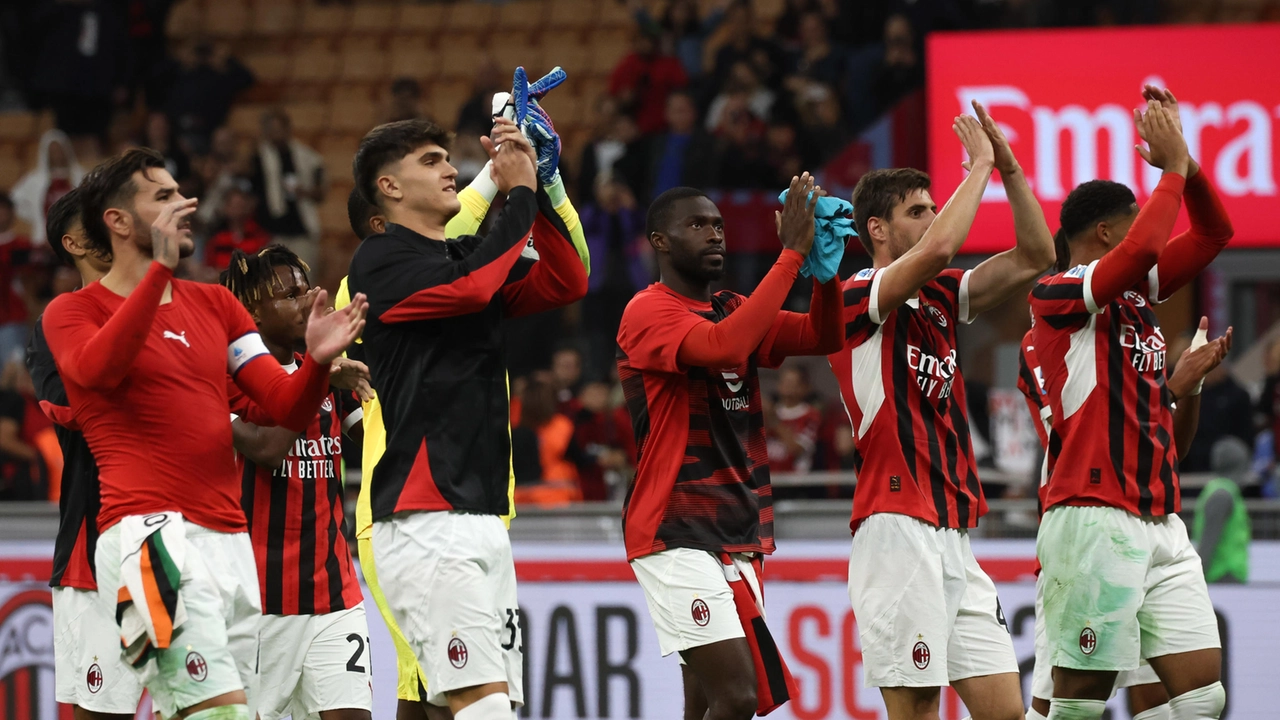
(1031, 385)
(1105, 377)
(79, 573)
(901, 383)
(420, 491)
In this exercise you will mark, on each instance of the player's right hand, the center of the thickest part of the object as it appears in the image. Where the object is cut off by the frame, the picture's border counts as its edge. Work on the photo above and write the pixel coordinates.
(976, 143)
(795, 222)
(329, 334)
(1194, 365)
(1166, 148)
(514, 161)
(167, 231)
(1005, 161)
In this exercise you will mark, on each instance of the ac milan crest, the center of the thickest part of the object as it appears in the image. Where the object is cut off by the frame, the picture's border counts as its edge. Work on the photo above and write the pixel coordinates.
(93, 678)
(1088, 641)
(936, 314)
(920, 655)
(457, 653)
(701, 613)
(327, 405)
(197, 668)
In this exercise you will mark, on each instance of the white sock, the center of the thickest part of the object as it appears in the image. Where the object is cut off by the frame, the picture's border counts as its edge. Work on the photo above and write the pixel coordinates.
(1204, 703)
(1033, 715)
(1159, 712)
(1072, 709)
(490, 707)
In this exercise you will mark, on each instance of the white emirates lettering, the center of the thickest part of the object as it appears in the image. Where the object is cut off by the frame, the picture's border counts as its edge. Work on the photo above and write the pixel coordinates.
(1147, 353)
(934, 375)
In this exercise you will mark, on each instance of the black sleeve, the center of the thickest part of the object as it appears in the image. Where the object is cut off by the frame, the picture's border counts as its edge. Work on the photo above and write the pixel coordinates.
(44, 373)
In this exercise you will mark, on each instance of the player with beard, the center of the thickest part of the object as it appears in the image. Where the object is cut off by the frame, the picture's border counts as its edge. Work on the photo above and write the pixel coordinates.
(144, 358)
(928, 615)
(1121, 580)
(89, 674)
(698, 518)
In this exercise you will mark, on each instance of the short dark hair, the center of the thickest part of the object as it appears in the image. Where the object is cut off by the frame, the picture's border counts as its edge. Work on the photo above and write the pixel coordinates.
(252, 277)
(1091, 203)
(659, 215)
(110, 185)
(359, 213)
(879, 192)
(388, 143)
(63, 215)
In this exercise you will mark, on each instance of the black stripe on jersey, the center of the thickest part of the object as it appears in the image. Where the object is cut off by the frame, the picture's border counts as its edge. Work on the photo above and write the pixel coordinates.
(1166, 469)
(962, 493)
(901, 405)
(1058, 291)
(1029, 379)
(333, 488)
(856, 295)
(1066, 320)
(940, 297)
(960, 423)
(248, 486)
(1115, 398)
(1146, 448)
(307, 548)
(857, 326)
(937, 480)
(637, 404)
(274, 571)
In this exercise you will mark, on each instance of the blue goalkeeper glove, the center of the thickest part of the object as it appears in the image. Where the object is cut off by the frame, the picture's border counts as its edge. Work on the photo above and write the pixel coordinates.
(521, 106)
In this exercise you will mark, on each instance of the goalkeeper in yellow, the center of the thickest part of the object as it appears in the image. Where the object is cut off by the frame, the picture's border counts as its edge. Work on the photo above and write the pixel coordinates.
(365, 221)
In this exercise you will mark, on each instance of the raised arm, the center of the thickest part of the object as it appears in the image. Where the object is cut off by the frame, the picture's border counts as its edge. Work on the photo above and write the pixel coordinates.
(903, 278)
(1002, 275)
(558, 277)
(818, 332)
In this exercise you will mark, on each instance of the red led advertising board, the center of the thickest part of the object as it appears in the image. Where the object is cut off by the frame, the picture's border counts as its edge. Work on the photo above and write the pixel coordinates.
(1065, 99)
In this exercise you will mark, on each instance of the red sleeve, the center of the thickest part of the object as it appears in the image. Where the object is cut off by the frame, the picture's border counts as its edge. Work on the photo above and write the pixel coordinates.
(248, 410)
(96, 356)
(1130, 261)
(819, 332)
(557, 278)
(731, 341)
(1189, 253)
(652, 328)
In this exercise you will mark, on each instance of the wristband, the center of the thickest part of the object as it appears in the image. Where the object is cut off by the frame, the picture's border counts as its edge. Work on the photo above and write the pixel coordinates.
(1200, 340)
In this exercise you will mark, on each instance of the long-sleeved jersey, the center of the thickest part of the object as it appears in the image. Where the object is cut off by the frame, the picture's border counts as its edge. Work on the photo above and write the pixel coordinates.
(433, 344)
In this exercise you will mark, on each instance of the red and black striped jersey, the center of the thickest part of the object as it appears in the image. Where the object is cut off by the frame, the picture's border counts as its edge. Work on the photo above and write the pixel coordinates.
(900, 379)
(296, 518)
(702, 475)
(1104, 372)
(434, 346)
(77, 540)
(1031, 385)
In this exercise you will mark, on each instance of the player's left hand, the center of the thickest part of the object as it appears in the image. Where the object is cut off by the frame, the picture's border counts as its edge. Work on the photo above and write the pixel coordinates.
(1006, 163)
(534, 120)
(348, 374)
(1194, 365)
(1169, 102)
(329, 334)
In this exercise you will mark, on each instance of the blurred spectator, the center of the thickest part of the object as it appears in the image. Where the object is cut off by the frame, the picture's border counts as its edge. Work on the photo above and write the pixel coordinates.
(742, 81)
(202, 89)
(835, 446)
(159, 137)
(558, 483)
(793, 433)
(614, 227)
(611, 133)
(818, 58)
(744, 45)
(55, 174)
(1221, 529)
(289, 180)
(1226, 410)
(643, 79)
(81, 62)
(825, 133)
(22, 467)
(1269, 400)
(684, 155)
(15, 250)
(740, 147)
(406, 100)
(146, 21)
(784, 155)
(900, 72)
(216, 173)
(684, 31)
(476, 115)
(566, 377)
(607, 443)
(239, 230)
(849, 23)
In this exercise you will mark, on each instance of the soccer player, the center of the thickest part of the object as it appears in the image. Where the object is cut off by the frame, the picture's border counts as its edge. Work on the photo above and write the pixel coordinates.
(700, 512)
(144, 358)
(434, 349)
(1121, 580)
(313, 653)
(89, 674)
(928, 615)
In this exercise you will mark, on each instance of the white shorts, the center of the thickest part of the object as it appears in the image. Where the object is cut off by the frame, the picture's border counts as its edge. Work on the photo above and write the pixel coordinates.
(1042, 673)
(314, 663)
(927, 613)
(1119, 587)
(450, 582)
(216, 650)
(86, 656)
(689, 598)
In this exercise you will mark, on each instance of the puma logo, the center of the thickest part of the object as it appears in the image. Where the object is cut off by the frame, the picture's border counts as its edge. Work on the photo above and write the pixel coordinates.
(182, 338)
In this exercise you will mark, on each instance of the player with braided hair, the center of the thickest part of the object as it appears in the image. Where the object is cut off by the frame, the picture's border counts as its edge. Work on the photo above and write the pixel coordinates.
(314, 655)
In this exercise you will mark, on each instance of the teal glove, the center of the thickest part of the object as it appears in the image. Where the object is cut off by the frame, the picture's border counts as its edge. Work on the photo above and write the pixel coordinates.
(832, 228)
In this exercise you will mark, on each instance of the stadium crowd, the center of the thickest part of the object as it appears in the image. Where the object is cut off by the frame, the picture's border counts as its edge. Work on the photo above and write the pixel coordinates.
(703, 98)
